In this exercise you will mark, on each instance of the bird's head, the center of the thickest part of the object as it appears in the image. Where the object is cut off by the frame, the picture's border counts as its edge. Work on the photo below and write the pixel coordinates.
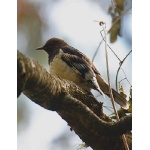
(52, 45)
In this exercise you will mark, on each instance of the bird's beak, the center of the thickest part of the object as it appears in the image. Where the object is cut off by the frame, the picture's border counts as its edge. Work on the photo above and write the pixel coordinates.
(40, 48)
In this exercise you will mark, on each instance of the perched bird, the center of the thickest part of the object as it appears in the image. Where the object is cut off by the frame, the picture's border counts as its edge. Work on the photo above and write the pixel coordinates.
(69, 63)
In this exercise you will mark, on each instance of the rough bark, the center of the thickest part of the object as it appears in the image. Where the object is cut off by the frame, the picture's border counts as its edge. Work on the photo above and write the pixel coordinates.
(77, 107)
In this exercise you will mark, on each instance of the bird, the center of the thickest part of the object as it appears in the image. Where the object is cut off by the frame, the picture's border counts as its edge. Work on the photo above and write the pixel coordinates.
(69, 63)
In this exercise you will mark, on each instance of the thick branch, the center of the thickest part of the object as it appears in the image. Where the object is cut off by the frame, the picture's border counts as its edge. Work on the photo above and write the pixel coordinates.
(82, 112)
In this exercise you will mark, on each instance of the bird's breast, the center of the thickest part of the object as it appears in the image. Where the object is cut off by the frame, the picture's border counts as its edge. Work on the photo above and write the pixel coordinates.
(60, 68)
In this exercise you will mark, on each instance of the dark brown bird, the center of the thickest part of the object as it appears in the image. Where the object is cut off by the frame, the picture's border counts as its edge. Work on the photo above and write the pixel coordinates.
(69, 63)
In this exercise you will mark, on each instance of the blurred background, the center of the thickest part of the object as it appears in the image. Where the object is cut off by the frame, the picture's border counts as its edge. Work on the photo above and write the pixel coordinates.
(75, 22)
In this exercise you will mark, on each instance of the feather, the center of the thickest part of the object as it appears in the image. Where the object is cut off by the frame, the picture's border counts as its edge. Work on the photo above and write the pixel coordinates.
(117, 97)
(81, 67)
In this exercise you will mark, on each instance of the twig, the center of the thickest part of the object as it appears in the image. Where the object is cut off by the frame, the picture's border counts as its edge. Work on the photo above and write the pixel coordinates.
(97, 50)
(121, 62)
(118, 18)
(122, 80)
(116, 7)
(100, 45)
(108, 75)
(110, 90)
(119, 82)
(126, 76)
(110, 48)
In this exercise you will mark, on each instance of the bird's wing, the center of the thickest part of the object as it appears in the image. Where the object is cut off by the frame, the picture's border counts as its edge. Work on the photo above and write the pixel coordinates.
(72, 51)
(81, 67)
(85, 68)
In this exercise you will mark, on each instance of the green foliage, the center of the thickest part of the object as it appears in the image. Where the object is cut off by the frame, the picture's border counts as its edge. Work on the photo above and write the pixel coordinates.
(115, 11)
(130, 101)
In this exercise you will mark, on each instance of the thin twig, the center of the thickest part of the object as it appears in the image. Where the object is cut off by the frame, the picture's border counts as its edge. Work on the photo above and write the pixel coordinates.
(126, 76)
(116, 7)
(122, 80)
(125, 142)
(97, 50)
(100, 45)
(108, 75)
(119, 82)
(110, 48)
(118, 18)
(110, 90)
(121, 62)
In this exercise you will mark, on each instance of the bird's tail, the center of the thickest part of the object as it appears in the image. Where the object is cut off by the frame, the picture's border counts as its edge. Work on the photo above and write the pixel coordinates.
(117, 97)
(120, 100)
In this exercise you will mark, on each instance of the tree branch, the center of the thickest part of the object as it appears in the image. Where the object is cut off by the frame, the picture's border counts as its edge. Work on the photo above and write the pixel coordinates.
(80, 110)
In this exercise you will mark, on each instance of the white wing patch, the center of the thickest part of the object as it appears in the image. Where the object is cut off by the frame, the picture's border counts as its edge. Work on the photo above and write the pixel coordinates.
(94, 80)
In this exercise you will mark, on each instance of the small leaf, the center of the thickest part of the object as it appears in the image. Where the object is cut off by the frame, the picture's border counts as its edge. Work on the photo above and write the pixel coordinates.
(130, 100)
(122, 93)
